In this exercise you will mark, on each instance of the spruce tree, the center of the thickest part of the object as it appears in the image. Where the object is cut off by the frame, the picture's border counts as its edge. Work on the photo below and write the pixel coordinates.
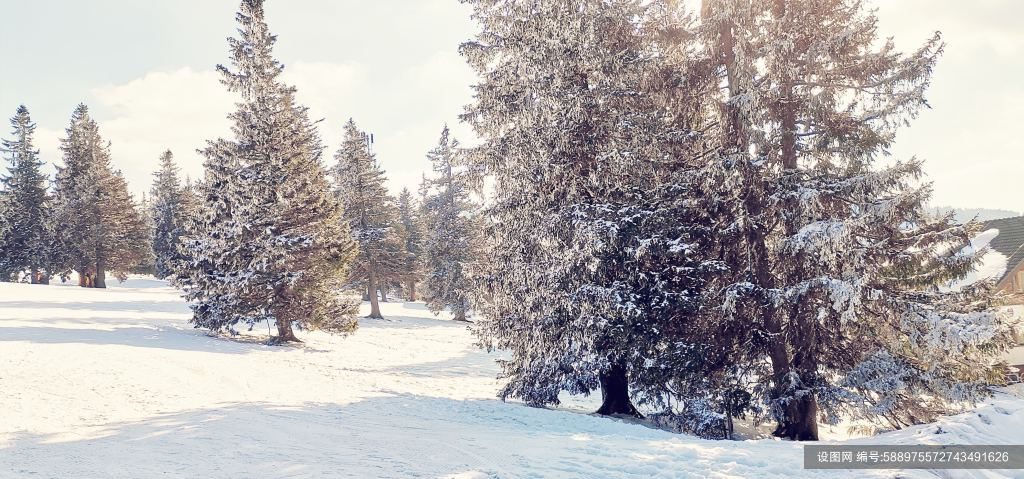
(410, 218)
(370, 215)
(168, 211)
(452, 240)
(591, 264)
(101, 228)
(268, 244)
(831, 298)
(24, 235)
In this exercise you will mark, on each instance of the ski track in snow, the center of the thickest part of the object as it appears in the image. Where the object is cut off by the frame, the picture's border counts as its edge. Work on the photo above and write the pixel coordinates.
(115, 384)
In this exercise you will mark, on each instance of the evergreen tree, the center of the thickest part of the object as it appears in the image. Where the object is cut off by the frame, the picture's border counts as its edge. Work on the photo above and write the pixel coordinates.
(268, 244)
(412, 237)
(452, 242)
(167, 210)
(831, 299)
(592, 264)
(148, 264)
(370, 215)
(24, 236)
(101, 228)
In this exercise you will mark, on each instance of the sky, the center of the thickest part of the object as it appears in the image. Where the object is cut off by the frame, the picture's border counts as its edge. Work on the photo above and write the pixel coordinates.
(146, 70)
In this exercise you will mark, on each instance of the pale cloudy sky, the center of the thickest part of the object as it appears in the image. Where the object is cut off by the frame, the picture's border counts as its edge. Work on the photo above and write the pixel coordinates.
(146, 70)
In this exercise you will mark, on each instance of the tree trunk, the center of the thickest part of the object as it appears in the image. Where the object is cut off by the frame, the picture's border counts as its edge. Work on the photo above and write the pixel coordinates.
(460, 315)
(35, 275)
(615, 392)
(412, 291)
(800, 421)
(101, 275)
(384, 293)
(285, 334)
(371, 288)
(82, 279)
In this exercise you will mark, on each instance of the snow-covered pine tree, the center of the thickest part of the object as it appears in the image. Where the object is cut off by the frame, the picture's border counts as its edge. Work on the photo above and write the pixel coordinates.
(167, 208)
(452, 232)
(269, 245)
(24, 237)
(148, 264)
(410, 217)
(101, 228)
(834, 262)
(591, 268)
(370, 215)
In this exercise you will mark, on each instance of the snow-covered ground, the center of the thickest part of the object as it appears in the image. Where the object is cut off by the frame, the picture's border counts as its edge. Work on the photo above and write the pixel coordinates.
(115, 384)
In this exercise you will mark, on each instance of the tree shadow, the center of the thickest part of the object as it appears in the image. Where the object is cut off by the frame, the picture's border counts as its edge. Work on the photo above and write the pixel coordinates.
(384, 436)
(141, 306)
(164, 337)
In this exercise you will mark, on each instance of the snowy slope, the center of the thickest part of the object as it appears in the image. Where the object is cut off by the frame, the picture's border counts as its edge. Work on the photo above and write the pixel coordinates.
(115, 384)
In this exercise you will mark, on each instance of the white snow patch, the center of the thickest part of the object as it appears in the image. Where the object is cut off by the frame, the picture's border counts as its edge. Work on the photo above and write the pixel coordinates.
(993, 263)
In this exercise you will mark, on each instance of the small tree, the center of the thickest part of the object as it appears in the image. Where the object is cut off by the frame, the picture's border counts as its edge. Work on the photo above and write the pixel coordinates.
(453, 231)
(412, 237)
(370, 215)
(167, 210)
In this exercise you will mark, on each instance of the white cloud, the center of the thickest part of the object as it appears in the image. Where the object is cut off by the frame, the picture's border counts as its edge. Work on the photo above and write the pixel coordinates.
(176, 110)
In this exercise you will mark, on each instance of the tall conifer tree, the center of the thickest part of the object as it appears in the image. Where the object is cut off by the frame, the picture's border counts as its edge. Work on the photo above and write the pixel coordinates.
(834, 261)
(590, 263)
(24, 236)
(370, 215)
(167, 209)
(100, 227)
(453, 230)
(268, 245)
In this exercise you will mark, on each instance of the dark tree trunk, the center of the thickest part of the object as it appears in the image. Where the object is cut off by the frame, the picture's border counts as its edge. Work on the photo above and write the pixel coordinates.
(800, 421)
(35, 275)
(412, 291)
(371, 289)
(460, 315)
(285, 333)
(82, 278)
(101, 276)
(615, 392)
(384, 294)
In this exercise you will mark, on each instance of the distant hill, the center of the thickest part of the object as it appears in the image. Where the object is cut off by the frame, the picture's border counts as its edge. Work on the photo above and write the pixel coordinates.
(964, 215)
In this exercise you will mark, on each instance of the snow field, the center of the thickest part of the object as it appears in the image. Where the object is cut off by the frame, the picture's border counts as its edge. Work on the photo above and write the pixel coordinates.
(115, 384)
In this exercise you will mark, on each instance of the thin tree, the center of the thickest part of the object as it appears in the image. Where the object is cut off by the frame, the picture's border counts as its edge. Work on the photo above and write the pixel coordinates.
(453, 231)
(370, 215)
(409, 215)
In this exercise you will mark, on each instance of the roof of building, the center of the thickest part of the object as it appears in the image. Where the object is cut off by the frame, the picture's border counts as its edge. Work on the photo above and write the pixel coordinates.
(1009, 242)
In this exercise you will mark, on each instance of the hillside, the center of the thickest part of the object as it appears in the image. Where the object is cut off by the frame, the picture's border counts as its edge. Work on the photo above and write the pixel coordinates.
(115, 384)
